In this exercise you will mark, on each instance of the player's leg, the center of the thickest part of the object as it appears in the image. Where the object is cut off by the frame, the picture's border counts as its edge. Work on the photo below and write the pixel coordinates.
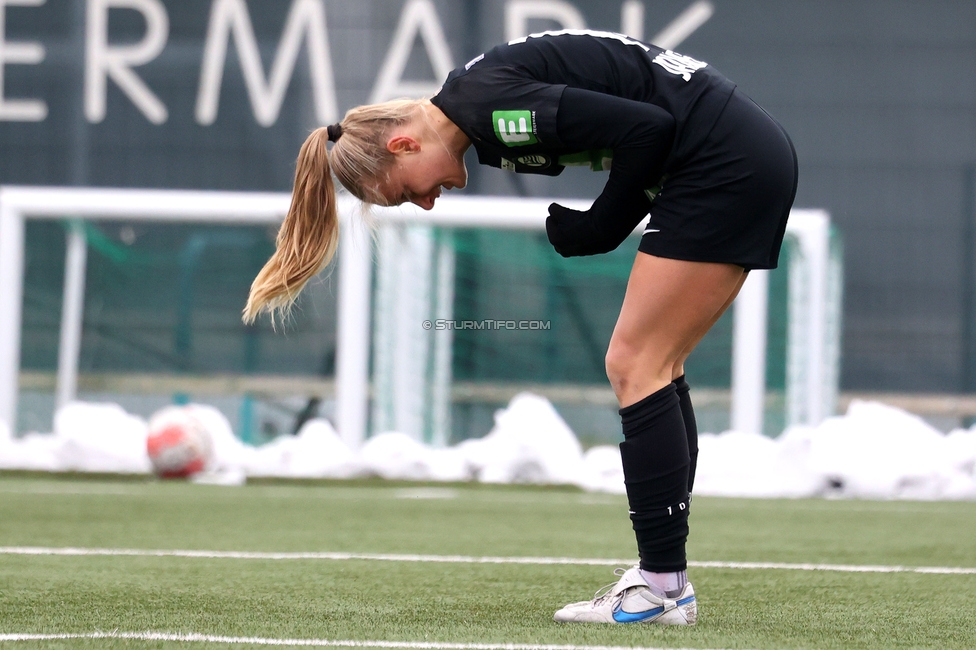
(668, 306)
(667, 309)
(679, 366)
(684, 396)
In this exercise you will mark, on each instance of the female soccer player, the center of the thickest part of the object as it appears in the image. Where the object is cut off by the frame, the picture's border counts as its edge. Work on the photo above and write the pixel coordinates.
(716, 173)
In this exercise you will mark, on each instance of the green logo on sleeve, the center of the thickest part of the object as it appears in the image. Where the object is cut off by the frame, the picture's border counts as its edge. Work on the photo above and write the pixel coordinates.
(514, 128)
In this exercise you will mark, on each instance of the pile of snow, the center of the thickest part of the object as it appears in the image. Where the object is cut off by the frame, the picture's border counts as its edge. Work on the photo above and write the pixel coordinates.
(874, 451)
(86, 438)
(530, 443)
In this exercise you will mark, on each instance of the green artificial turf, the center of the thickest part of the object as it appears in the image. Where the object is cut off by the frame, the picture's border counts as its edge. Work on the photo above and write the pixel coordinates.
(466, 602)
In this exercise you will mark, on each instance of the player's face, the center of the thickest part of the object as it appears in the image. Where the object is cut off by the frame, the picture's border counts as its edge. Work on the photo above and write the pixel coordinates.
(418, 176)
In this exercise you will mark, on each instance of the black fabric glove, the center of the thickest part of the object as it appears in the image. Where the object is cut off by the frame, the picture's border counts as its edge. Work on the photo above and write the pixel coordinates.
(571, 232)
(574, 233)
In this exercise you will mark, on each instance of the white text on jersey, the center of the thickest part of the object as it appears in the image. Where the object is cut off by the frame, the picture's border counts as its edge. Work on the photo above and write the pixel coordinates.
(679, 64)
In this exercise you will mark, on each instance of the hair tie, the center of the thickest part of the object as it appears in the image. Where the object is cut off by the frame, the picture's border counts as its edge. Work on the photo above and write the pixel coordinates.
(334, 131)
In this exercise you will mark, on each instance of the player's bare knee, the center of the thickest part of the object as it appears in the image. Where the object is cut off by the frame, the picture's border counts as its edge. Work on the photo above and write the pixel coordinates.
(627, 367)
(619, 363)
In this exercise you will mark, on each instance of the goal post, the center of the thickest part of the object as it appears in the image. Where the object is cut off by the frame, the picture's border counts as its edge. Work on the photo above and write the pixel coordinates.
(423, 262)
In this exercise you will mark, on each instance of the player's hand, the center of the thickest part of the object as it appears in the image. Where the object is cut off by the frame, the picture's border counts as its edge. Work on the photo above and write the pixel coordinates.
(571, 232)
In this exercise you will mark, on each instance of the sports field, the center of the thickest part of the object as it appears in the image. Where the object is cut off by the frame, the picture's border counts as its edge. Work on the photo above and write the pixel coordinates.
(90, 563)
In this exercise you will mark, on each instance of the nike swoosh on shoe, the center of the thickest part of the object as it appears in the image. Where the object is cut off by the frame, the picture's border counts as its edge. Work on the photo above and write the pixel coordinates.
(621, 616)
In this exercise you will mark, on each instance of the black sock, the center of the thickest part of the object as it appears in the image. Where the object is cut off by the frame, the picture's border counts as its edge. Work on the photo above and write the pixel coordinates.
(655, 462)
(691, 427)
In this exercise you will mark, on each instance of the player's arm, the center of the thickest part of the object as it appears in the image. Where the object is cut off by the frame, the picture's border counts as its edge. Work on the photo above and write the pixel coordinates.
(640, 136)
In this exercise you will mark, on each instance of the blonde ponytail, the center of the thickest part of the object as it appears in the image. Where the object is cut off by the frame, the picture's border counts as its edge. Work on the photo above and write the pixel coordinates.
(308, 237)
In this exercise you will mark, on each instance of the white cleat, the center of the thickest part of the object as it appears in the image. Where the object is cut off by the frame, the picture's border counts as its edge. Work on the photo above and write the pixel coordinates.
(630, 600)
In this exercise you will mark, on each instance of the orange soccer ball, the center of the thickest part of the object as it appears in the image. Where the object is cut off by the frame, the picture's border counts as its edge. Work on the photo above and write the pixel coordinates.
(178, 444)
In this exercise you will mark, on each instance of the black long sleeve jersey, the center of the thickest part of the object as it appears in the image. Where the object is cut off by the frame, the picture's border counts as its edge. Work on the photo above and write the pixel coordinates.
(553, 99)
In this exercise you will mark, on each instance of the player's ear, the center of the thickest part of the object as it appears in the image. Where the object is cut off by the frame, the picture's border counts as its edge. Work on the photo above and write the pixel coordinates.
(402, 144)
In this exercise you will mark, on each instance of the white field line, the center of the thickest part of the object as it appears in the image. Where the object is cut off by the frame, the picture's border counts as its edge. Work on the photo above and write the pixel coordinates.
(253, 640)
(466, 559)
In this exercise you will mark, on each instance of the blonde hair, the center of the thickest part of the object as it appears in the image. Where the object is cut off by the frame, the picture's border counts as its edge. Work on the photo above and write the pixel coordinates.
(309, 235)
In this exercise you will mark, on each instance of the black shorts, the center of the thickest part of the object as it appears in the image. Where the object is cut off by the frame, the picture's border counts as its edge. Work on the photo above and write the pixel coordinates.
(729, 203)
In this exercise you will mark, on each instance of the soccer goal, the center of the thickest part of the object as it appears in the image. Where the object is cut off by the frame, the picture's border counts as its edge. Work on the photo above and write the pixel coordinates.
(464, 304)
